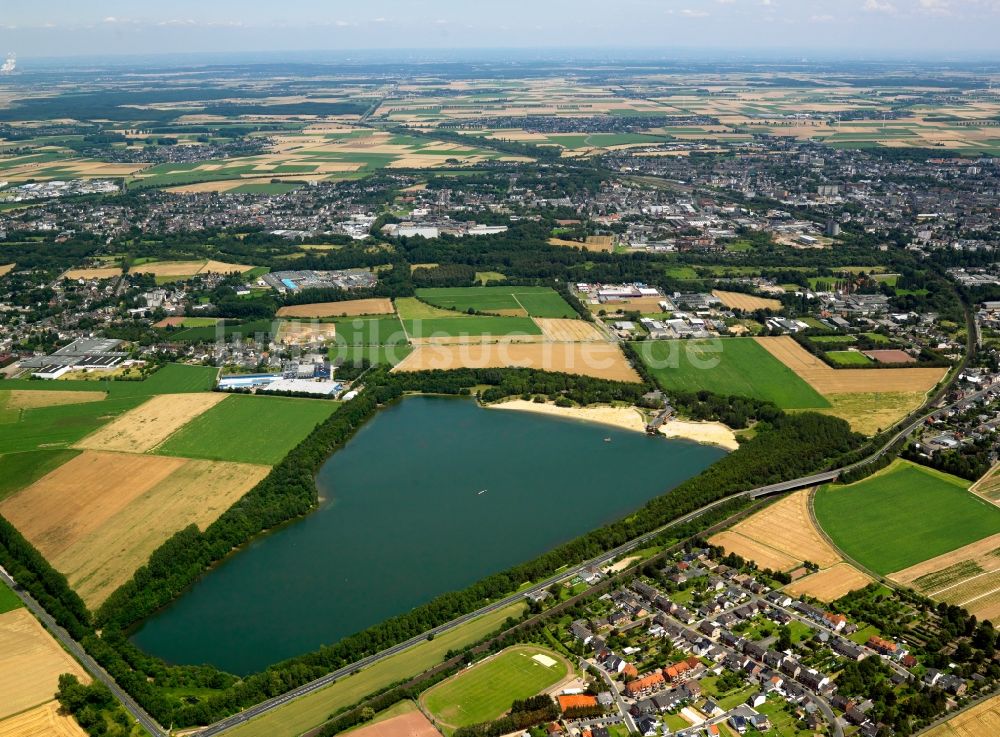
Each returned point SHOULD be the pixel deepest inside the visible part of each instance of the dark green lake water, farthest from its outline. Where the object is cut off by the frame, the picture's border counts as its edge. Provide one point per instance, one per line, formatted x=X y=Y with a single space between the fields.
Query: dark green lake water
x=401 y=520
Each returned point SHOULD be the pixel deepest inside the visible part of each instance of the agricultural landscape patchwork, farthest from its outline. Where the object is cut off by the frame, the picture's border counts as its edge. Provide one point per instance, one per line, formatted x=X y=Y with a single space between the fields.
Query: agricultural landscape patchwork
x=277 y=344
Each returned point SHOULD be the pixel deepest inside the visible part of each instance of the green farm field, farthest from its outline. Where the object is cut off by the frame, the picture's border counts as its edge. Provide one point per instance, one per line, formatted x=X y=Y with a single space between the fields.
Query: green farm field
x=251 y=429
x=370 y=331
x=59 y=426
x=314 y=709
x=732 y=366
x=386 y=355
x=18 y=470
x=904 y=515
x=173 y=378
x=8 y=600
x=479 y=325
x=535 y=301
x=486 y=691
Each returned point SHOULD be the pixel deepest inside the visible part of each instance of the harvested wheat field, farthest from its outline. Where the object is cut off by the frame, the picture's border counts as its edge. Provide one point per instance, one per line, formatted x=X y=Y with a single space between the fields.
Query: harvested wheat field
x=45 y=721
x=968 y=577
x=143 y=428
x=600 y=360
x=868 y=413
x=197 y=493
x=830 y=584
x=561 y=330
x=99 y=273
x=31 y=662
x=787 y=527
x=73 y=501
x=414 y=724
x=747 y=302
x=6 y=269
x=30 y=399
x=292 y=332
x=988 y=487
x=749 y=549
x=350 y=308
x=979 y=721
x=827 y=380
x=602 y=244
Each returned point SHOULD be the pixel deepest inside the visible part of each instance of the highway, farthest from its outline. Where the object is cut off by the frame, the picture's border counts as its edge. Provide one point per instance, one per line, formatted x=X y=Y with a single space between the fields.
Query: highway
x=89 y=664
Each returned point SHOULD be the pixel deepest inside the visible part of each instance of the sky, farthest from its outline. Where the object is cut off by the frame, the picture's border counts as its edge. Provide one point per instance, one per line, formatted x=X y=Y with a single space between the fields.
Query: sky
x=861 y=28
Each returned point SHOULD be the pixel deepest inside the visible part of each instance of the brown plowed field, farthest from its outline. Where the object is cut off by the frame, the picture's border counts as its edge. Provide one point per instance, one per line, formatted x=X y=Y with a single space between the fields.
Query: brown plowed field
x=600 y=360
x=747 y=302
x=98 y=517
x=102 y=273
x=31 y=662
x=350 y=308
x=830 y=584
x=196 y=493
x=152 y=422
x=45 y=721
x=29 y=398
x=569 y=331
x=413 y=724
x=827 y=380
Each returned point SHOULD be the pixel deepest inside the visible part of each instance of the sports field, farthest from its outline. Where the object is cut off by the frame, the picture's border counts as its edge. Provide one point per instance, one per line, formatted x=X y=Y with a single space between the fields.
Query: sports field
x=519 y=301
x=849 y=358
x=486 y=691
x=314 y=709
x=903 y=515
x=232 y=429
x=731 y=366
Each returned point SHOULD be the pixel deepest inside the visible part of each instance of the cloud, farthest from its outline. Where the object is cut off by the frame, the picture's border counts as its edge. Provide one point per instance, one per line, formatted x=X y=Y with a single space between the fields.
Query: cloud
x=879 y=6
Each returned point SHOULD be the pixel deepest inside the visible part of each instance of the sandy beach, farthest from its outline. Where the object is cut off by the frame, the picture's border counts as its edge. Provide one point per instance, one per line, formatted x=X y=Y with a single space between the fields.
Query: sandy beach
x=630 y=418
x=625 y=418
x=713 y=433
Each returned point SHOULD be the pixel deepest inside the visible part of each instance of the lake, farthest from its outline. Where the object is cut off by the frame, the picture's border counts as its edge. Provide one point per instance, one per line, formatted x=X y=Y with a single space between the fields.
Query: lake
x=431 y=495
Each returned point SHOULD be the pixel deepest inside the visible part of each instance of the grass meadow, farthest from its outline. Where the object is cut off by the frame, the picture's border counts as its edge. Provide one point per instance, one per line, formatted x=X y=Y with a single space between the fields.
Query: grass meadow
x=732 y=366
x=251 y=429
x=849 y=358
x=904 y=515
